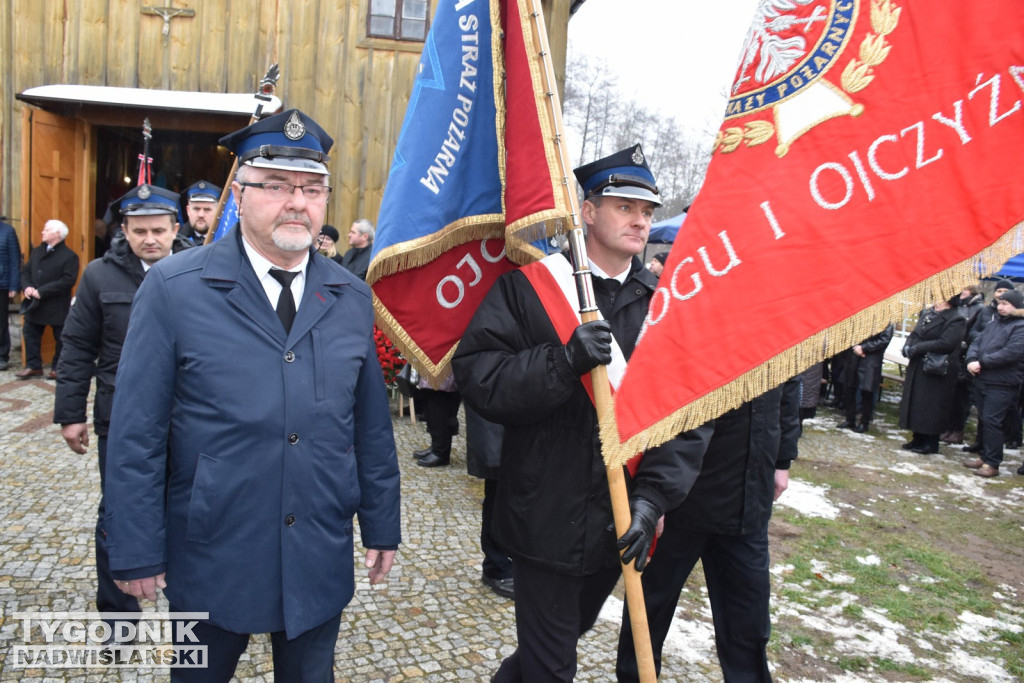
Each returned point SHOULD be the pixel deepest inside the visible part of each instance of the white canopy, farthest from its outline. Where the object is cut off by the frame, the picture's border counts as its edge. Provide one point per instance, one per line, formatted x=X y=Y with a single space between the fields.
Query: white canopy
x=182 y=100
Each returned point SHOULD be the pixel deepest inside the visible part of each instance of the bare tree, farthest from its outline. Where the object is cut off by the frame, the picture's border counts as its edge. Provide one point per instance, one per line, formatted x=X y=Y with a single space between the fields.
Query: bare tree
x=590 y=101
x=608 y=120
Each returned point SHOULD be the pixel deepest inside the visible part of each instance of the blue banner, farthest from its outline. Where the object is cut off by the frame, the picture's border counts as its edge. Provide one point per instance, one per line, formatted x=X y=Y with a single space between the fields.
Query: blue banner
x=228 y=217
x=445 y=172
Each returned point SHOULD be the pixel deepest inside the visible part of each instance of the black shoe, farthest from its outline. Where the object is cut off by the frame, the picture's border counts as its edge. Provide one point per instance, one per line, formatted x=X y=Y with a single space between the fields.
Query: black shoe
x=1020 y=470
x=845 y=425
x=506 y=588
x=1013 y=445
x=433 y=460
x=860 y=429
x=419 y=455
x=4 y=364
x=909 y=446
x=973 y=448
x=925 y=450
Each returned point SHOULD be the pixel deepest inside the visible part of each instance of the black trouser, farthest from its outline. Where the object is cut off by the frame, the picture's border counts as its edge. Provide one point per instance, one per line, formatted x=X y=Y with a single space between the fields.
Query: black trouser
x=552 y=611
x=963 y=399
x=308 y=658
x=109 y=598
x=497 y=564
x=5 y=337
x=32 y=338
x=995 y=401
x=867 y=404
x=739 y=587
x=442 y=411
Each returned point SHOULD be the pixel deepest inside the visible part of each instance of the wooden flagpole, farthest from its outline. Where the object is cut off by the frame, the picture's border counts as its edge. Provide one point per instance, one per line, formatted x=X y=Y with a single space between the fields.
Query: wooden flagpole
x=599 y=375
x=264 y=91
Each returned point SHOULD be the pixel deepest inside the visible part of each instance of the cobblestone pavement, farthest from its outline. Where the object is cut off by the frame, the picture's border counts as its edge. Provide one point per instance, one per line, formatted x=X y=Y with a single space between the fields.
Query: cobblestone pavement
x=433 y=621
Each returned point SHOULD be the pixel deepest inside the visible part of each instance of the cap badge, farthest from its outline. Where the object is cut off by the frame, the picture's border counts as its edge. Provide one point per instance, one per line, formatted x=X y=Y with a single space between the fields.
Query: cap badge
x=201 y=185
x=294 y=129
x=638 y=156
x=144 y=192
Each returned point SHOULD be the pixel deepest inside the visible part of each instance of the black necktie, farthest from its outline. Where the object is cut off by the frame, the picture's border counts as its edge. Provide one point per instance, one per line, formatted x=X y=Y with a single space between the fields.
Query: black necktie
x=285 y=302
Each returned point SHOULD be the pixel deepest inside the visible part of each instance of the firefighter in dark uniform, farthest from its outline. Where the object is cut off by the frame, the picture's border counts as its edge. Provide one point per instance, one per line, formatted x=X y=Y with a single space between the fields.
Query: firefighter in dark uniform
x=553 y=512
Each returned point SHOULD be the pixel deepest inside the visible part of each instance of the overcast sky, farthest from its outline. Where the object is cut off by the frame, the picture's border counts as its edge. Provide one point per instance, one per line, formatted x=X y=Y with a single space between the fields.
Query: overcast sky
x=680 y=55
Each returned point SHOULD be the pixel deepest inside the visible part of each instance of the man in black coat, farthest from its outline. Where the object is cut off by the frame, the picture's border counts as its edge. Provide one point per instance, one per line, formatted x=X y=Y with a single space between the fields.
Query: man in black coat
x=520 y=364
x=48 y=278
x=10 y=281
x=360 y=243
x=93 y=336
x=996 y=360
x=862 y=374
x=724 y=524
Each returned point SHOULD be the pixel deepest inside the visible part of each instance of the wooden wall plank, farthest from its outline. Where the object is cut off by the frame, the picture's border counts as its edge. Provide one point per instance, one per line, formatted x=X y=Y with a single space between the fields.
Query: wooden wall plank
x=91 y=18
x=210 y=45
x=123 y=43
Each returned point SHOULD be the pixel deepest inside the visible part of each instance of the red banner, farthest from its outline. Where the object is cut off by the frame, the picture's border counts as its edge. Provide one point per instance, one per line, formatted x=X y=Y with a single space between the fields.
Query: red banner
x=871 y=156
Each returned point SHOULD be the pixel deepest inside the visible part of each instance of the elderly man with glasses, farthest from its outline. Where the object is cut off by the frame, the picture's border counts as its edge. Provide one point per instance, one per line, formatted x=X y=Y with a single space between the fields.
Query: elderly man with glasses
x=251 y=426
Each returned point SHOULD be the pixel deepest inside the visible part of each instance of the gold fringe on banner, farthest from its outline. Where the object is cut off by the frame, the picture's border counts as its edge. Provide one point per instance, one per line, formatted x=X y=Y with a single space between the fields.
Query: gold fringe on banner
x=815 y=349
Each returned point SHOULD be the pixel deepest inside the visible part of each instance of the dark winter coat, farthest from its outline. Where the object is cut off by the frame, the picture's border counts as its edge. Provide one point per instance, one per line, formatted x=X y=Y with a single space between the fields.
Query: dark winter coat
x=866 y=372
x=357 y=261
x=483 y=445
x=927 y=398
x=53 y=273
x=239 y=453
x=94 y=333
x=1000 y=350
x=553 y=509
x=810 y=380
x=981 y=320
x=10 y=260
x=736 y=488
x=188 y=234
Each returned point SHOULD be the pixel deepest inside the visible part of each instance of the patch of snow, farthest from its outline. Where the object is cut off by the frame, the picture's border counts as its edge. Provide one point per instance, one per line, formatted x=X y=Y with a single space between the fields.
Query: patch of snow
x=690 y=638
x=977 y=668
x=976 y=628
x=819 y=568
x=867 y=513
x=977 y=489
x=911 y=470
x=870 y=560
x=808 y=499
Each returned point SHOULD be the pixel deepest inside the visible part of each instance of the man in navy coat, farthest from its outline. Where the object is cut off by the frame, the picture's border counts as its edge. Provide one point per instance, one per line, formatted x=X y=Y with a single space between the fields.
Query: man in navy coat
x=251 y=425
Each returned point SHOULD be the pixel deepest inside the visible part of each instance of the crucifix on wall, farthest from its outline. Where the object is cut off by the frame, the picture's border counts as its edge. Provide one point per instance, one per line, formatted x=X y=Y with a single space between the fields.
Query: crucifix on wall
x=168 y=13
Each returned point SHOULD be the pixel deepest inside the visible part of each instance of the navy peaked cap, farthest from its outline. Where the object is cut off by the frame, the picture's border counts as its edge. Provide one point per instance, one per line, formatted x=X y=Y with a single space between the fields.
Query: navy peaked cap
x=146 y=200
x=289 y=141
x=623 y=174
x=202 y=191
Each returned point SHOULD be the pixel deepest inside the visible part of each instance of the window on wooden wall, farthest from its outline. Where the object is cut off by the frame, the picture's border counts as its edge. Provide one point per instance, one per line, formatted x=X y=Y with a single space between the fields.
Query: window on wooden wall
x=398 y=19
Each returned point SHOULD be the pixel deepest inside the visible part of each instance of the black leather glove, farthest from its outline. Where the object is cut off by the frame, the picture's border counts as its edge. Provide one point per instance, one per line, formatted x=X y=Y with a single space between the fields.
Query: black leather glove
x=908 y=351
x=639 y=536
x=589 y=346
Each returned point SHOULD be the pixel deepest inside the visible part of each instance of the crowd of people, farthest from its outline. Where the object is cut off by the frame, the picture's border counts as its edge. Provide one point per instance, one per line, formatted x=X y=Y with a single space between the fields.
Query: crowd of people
x=961 y=354
x=239 y=503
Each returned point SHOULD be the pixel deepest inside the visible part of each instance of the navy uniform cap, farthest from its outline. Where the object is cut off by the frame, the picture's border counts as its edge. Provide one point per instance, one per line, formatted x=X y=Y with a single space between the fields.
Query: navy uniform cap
x=289 y=141
x=623 y=174
x=147 y=200
x=202 y=191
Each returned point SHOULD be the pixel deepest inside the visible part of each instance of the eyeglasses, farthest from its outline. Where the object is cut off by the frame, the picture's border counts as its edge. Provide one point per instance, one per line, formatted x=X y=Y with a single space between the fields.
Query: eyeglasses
x=282 y=191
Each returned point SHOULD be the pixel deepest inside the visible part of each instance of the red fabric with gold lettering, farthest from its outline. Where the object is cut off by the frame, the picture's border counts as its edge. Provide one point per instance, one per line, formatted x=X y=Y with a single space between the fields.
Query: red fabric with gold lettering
x=837 y=210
